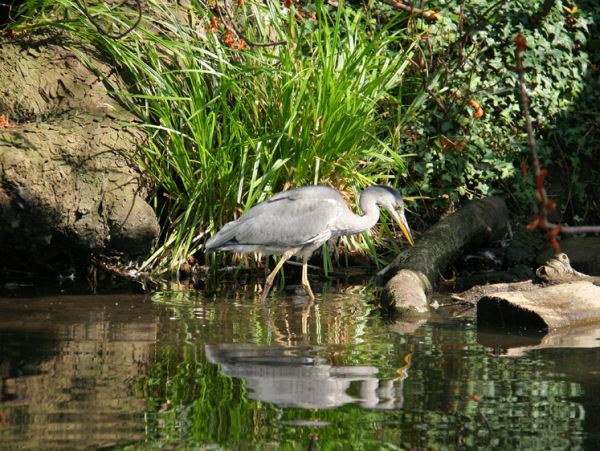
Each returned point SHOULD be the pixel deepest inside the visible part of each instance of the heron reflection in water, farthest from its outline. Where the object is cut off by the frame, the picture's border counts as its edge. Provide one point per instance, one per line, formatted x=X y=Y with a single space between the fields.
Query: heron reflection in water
x=299 y=221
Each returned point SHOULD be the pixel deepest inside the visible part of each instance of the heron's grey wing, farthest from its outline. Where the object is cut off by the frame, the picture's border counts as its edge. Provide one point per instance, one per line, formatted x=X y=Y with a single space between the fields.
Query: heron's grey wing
x=291 y=222
x=292 y=219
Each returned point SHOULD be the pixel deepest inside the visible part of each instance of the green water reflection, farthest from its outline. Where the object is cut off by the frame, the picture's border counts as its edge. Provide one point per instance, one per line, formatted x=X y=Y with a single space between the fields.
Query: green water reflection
x=177 y=369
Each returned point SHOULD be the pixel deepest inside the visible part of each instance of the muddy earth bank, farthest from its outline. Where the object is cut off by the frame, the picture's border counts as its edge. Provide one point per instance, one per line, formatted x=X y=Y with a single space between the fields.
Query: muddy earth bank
x=68 y=185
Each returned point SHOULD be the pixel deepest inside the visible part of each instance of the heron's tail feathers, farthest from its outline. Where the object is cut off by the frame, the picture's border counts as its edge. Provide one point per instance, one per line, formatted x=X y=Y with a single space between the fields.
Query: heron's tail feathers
x=222 y=239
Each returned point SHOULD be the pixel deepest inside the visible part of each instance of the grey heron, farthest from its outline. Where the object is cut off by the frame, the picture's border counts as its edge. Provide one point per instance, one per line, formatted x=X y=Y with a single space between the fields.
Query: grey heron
x=299 y=221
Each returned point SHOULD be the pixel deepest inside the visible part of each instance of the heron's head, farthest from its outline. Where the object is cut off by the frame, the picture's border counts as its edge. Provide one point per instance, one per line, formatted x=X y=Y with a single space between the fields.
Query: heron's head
x=391 y=201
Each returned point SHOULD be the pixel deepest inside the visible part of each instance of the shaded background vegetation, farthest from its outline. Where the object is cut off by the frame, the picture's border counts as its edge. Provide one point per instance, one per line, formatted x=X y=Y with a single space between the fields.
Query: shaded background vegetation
x=358 y=94
x=470 y=157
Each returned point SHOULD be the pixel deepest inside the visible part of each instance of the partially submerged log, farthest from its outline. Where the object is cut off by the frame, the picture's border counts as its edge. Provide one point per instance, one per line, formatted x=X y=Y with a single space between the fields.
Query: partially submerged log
x=414 y=274
x=560 y=297
x=541 y=309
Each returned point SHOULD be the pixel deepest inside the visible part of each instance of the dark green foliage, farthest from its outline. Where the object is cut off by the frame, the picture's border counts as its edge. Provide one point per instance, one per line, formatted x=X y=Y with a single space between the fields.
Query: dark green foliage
x=460 y=156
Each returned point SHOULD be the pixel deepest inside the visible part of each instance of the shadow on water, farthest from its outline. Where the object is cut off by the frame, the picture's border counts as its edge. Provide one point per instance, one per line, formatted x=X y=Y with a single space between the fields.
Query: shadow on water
x=176 y=369
x=67 y=367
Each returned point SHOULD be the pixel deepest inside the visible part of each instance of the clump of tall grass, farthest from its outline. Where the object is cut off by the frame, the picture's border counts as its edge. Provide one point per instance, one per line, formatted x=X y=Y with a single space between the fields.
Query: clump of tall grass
x=230 y=125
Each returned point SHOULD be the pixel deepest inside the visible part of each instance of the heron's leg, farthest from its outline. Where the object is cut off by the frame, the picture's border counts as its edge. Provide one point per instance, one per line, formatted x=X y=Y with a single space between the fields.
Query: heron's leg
x=305 y=282
x=271 y=277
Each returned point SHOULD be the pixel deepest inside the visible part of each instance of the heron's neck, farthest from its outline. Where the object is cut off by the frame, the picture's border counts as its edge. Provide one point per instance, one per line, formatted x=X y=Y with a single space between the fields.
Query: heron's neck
x=361 y=223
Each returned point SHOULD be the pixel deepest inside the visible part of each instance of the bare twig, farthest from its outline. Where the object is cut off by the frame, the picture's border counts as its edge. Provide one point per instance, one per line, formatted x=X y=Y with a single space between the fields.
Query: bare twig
x=427 y=14
x=92 y=19
x=231 y=24
x=458 y=44
x=456 y=48
x=576 y=229
x=521 y=44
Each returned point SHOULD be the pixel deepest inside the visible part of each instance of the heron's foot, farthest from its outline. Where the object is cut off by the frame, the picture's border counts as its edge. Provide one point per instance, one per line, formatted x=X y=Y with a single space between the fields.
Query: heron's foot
x=309 y=291
x=264 y=294
x=266 y=289
x=305 y=282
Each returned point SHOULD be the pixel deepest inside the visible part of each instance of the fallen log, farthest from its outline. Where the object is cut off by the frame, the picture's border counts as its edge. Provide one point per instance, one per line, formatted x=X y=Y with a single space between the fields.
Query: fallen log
x=560 y=296
x=541 y=309
x=414 y=274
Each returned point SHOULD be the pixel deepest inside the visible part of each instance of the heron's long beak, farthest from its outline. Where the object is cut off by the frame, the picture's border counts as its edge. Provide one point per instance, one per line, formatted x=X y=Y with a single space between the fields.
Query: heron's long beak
x=401 y=220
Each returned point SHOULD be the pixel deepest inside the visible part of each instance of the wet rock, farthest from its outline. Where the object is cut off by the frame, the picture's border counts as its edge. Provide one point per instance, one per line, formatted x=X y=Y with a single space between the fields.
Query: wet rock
x=523 y=247
x=508 y=261
x=514 y=274
x=68 y=186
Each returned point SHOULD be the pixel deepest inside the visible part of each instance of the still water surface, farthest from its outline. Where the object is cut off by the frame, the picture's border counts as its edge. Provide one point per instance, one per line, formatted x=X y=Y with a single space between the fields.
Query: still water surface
x=175 y=369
